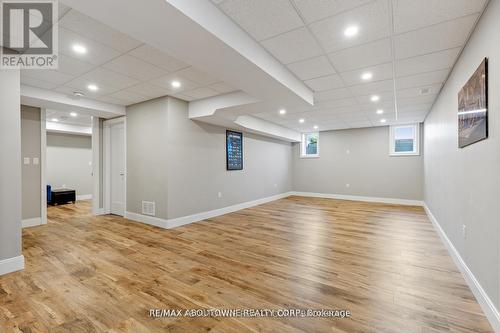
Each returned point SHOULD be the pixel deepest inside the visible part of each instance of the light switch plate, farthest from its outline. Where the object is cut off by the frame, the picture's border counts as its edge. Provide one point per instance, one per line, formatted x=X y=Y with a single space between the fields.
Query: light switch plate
x=26 y=161
x=36 y=161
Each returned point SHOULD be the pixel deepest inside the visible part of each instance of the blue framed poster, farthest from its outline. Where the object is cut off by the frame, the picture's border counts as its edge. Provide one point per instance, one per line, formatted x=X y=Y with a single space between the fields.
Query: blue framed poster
x=234 y=150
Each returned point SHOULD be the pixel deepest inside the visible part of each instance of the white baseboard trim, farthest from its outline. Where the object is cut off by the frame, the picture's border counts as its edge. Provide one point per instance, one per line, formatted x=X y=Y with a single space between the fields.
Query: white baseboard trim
x=11 y=265
x=100 y=211
x=483 y=299
x=84 y=197
x=360 y=198
x=180 y=221
x=32 y=222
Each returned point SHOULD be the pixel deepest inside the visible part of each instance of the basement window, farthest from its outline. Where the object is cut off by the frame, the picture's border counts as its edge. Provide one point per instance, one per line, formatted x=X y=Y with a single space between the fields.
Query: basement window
x=404 y=140
x=309 y=147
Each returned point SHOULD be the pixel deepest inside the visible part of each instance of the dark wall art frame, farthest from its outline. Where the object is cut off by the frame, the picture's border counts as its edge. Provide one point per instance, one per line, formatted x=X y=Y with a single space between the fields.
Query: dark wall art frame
x=234 y=150
x=473 y=108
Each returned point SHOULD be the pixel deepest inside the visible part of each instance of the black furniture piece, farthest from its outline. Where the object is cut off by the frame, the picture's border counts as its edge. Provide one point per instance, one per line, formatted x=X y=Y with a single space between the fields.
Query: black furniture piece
x=62 y=196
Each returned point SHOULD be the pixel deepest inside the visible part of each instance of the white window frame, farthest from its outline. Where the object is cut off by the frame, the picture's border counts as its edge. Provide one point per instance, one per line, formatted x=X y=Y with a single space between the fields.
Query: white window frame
x=302 y=146
x=416 y=145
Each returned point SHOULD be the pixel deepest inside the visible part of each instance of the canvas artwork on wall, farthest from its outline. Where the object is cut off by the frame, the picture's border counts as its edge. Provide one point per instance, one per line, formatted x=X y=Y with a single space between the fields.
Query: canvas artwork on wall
x=473 y=108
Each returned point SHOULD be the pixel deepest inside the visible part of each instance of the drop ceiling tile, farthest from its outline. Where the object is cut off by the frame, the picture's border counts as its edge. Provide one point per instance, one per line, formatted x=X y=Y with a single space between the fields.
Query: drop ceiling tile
x=92 y=29
x=67 y=90
x=333 y=94
x=158 y=58
x=338 y=104
x=108 y=99
x=200 y=93
x=50 y=76
x=262 y=19
x=62 y=10
x=29 y=81
x=166 y=80
x=314 y=10
x=73 y=66
x=372 y=87
x=128 y=98
x=97 y=53
x=102 y=76
x=325 y=83
x=362 y=56
x=438 y=37
x=427 y=63
x=135 y=68
x=417 y=91
x=312 y=68
x=427 y=99
x=423 y=79
x=196 y=76
x=414 y=108
x=359 y=124
x=80 y=85
x=385 y=97
x=149 y=90
x=222 y=88
x=411 y=14
x=184 y=97
x=380 y=73
x=372 y=20
x=293 y=46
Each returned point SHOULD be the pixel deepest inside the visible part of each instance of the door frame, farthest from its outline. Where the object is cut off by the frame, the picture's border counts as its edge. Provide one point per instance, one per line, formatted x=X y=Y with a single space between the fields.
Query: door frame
x=107 y=162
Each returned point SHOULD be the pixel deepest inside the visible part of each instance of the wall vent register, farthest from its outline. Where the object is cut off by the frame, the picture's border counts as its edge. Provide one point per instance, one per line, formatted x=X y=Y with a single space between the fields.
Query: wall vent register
x=148 y=208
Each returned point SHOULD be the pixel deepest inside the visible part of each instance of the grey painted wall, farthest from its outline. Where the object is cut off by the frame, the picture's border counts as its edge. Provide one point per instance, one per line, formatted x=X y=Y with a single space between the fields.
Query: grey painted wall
x=462 y=186
x=147 y=155
x=69 y=159
x=197 y=166
x=180 y=164
x=368 y=168
x=10 y=164
x=31 y=173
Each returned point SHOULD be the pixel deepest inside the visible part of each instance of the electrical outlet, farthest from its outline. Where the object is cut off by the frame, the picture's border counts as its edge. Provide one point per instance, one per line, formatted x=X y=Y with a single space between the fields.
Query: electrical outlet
x=219 y=195
x=347 y=185
x=347 y=151
x=275 y=185
x=464 y=231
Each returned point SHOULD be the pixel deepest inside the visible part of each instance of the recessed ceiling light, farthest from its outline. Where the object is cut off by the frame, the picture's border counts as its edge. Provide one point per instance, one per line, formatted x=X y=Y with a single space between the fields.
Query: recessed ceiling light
x=282 y=111
x=176 y=84
x=366 y=76
x=55 y=120
x=383 y=121
x=375 y=98
x=302 y=120
x=79 y=48
x=92 y=87
x=73 y=114
x=316 y=127
x=78 y=94
x=380 y=111
x=351 y=31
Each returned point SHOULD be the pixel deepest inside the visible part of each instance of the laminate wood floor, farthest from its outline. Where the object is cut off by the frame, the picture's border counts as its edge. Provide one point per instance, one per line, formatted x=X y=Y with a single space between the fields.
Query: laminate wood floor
x=384 y=263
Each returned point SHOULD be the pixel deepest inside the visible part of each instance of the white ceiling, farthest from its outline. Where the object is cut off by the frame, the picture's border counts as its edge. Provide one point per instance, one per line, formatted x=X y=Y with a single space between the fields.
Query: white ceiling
x=126 y=70
x=63 y=117
x=409 y=46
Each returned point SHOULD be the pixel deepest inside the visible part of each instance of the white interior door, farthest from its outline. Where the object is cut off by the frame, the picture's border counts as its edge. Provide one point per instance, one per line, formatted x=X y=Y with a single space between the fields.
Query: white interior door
x=117 y=169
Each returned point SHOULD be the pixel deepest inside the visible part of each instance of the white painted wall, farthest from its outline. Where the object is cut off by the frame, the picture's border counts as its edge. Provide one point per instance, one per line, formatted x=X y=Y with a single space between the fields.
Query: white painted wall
x=69 y=162
x=10 y=166
x=356 y=162
x=462 y=186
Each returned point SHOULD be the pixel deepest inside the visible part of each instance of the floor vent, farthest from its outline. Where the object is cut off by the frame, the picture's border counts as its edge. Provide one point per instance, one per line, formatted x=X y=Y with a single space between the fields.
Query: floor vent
x=148 y=208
